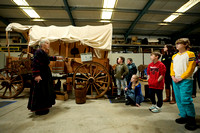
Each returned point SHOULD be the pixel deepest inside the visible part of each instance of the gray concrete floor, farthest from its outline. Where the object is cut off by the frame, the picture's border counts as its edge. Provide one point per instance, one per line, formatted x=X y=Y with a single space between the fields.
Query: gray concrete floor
x=95 y=116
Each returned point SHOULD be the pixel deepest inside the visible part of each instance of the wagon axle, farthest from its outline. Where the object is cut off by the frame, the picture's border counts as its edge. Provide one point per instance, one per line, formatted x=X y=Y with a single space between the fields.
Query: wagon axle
x=6 y=83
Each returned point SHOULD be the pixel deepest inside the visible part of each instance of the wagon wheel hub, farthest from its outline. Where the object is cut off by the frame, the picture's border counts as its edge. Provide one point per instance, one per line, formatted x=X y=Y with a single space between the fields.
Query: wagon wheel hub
x=91 y=80
x=5 y=83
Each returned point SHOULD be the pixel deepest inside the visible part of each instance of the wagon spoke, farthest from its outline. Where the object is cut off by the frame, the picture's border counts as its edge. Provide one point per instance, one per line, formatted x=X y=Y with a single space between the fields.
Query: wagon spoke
x=14 y=88
x=85 y=70
x=5 y=91
x=84 y=75
x=95 y=71
x=102 y=82
x=2 y=87
x=17 y=82
x=91 y=90
x=96 y=89
x=98 y=74
x=10 y=91
x=98 y=85
x=88 y=88
x=81 y=78
x=101 y=77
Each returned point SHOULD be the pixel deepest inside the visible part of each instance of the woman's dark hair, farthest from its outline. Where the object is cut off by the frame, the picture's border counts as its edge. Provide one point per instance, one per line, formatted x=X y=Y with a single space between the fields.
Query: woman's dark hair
x=170 y=49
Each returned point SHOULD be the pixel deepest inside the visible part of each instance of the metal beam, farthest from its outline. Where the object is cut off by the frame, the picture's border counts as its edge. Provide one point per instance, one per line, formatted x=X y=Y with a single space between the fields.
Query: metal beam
x=144 y=10
x=74 y=8
x=95 y=20
x=4 y=20
x=186 y=30
x=67 y=8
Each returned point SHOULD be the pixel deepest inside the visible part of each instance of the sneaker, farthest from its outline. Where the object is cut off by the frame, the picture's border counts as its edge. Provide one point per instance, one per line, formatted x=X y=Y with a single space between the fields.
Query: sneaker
x=181 y=120
x=156 y=110
x=152 y=107
x=117 y=98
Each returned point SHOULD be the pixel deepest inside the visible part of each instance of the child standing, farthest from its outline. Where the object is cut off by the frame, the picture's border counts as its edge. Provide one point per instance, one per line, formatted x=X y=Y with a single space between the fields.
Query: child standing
x=133 y=92
x=182 y=67
x=121 y=71
x=156 y=73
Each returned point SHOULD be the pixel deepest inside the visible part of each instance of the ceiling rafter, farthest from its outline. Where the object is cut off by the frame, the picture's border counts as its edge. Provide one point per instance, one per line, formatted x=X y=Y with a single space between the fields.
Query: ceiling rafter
x=74 y=8
x=67 y=8
x=144 y=10
x=94 y=20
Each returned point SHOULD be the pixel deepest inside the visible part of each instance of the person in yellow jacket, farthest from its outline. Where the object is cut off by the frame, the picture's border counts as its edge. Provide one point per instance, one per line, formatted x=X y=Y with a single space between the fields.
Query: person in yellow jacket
x=182 y=67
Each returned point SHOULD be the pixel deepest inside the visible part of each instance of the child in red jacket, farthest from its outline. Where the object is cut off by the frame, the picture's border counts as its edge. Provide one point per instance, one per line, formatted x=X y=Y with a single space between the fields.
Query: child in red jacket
x=156 y=73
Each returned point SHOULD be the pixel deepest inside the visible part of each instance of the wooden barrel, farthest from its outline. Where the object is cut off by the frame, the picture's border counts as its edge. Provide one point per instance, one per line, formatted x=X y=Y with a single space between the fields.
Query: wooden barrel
x=58 y=66
x=80 y=95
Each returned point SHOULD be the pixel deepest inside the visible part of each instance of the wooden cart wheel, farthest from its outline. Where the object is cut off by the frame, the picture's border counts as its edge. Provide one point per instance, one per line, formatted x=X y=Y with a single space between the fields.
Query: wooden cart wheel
x=11 y=83
x=94 y=77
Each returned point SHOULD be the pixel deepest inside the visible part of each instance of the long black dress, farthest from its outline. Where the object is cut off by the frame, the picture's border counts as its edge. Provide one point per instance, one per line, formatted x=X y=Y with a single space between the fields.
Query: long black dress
x=42 y=95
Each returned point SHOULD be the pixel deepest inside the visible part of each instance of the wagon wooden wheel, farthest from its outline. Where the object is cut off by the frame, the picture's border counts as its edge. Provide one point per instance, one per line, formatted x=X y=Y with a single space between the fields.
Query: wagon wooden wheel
x=11 y=83
x=94 y=77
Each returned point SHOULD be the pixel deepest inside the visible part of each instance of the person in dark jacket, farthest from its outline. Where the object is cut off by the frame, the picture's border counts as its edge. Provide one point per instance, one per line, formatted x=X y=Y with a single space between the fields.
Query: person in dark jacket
x=132 y=70
x=166 y=60
x=42 y=95
x=120 y=72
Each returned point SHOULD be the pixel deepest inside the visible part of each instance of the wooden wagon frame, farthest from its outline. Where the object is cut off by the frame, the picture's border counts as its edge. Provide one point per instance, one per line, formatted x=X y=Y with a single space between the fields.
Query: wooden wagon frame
x=84 y=49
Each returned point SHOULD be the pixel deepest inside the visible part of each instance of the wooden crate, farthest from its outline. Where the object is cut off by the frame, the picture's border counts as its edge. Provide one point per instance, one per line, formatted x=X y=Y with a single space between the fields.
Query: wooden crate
x=61 y=96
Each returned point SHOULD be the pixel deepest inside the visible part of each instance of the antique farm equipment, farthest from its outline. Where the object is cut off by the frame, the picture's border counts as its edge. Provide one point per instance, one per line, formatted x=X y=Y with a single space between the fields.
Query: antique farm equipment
x=12 y=81
x=84 y=49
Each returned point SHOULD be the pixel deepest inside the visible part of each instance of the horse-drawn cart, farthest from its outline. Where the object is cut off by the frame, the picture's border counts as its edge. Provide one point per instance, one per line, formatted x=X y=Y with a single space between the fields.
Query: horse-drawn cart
x=84 y=49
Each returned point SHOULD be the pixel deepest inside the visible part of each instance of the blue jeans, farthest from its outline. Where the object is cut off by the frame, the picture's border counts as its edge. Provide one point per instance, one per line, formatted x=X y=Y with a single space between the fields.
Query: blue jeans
x=120 y=83
x=183 y=95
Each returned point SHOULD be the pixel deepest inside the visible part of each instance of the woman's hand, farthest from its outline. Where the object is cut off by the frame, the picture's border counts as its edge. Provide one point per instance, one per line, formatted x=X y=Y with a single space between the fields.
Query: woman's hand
x=126 y=89
x=38 y=78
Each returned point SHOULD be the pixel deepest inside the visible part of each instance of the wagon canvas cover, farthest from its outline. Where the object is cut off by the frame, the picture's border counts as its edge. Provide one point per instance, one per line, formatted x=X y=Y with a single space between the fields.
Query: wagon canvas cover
x=98 y=37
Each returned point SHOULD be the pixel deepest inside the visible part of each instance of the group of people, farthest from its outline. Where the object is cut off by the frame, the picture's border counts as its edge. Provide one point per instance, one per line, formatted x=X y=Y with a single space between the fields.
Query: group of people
x=173 y=69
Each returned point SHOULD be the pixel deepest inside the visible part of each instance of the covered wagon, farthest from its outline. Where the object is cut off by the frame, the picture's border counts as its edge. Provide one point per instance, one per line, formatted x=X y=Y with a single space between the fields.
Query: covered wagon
x=84 y=49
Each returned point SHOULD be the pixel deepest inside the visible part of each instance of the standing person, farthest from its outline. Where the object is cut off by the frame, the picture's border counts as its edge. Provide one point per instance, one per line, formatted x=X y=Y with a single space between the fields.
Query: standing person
x=198 y=71
x=166 y=60
x=121 y=71
x=133 y=92
x=42 y=95
x=132 y=69
x=156 y=73
x=182 y=67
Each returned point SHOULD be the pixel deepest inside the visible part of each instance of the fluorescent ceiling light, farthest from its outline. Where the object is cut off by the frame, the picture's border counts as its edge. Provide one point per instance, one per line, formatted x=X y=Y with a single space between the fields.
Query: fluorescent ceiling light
x=171 y=17
x=105 y=21
x=21 y=2
x=182 y=9
x=109 y=3
x=30 y=12
x=188 y=5
x=106 y=15
x=163 y=24
x=38 y=19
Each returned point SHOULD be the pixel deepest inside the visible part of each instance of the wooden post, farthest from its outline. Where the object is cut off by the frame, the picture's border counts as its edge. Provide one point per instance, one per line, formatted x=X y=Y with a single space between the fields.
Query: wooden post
x=8 y=44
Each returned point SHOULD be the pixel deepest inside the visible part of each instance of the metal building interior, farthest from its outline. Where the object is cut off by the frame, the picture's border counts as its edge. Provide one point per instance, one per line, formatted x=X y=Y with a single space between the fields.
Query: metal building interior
x=130 y=19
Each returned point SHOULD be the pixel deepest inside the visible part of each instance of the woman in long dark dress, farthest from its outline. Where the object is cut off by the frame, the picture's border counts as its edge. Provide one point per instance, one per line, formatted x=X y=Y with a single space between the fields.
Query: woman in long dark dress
x=166 y=60
x=42 y=95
